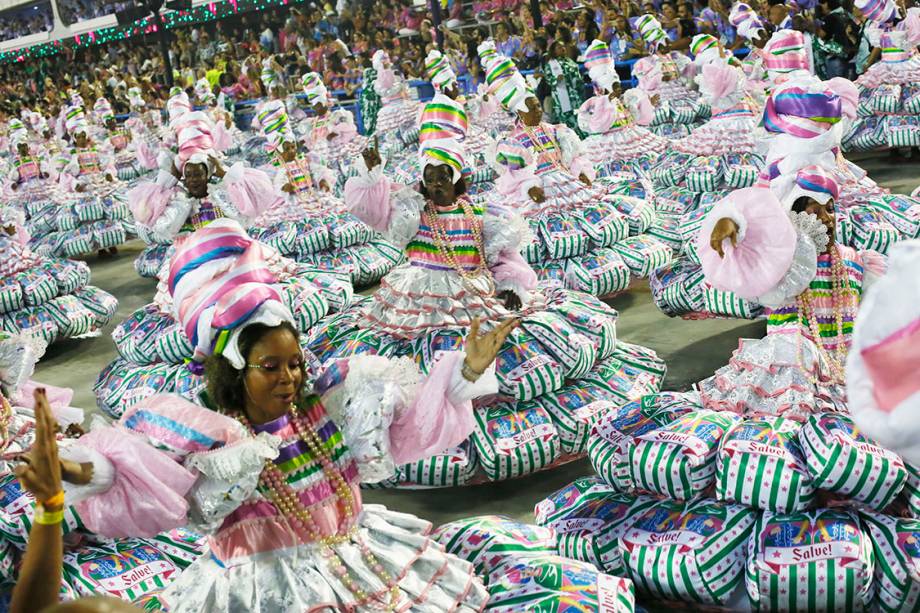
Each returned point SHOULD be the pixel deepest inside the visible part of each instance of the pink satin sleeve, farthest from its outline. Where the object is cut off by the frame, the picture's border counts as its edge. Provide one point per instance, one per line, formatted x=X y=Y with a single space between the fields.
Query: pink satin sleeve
x=148 y=200
x=146 y=156
x=147 y=494
x=250 y=191
x=222 y=138
x=512 y=270
x=369 y=202
x=432 y=423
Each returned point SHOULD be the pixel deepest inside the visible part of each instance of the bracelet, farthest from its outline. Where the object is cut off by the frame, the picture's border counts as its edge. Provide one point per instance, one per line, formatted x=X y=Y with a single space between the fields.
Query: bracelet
x=469 y=374
x=48 y=518
x=55 y=501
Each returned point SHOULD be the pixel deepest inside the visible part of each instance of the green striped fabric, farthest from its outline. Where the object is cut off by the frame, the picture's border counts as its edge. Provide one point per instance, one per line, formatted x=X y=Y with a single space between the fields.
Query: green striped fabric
x=589 y=518
x=562 y=236
x=73 y=319
x=679 y=460
x=886 y=98
x=603 y=224
x=514 y=440
x=128 y=569
x=810 y=561
x=871 y=230
x=173 y=346
x=524 y=369
x=591 y=317
x=896 y=543
x=615 y=433
x=449 y=468
x=181 y=545
x=643 y=254
x=600 y=273
x=761 y=465
x=912 y=490
x=573 y=351
x=311 y=236
x=11 y=298
x=18 y=506
x=728 y=304
x=903 y=212
x=575 y=409
x=642 y=358
x=553 y=584
x=688 y=551
x=488 y=541
x=843 y=460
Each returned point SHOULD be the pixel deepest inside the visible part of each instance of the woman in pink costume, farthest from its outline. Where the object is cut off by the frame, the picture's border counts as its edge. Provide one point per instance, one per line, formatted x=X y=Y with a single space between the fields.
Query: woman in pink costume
x=181 y=199
x=146 y=126
x=580 y=237
x=227 y=137
x=666 y=76
x=269 y=473
x=396 y=120
x=307 y=222
x=464 y=264
x=118 y=143
x=330 y=135
x=889 y=90
x=618 y=141
x=750 y=27
x=778 y=247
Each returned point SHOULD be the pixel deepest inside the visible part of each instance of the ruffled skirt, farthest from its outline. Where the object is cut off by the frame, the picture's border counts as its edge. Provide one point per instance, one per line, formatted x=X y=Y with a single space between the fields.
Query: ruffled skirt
x=79 y=224
x=396 y=122
x=781 y=374
x=318 y=231
x=888 y=110
x=298 y=580
x=607 y=152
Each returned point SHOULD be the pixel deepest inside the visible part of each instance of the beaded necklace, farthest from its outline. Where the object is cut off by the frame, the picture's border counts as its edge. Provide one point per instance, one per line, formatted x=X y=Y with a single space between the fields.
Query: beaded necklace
x=446 y=250
x=548 y=147
x=841 y=299
x=273 y=483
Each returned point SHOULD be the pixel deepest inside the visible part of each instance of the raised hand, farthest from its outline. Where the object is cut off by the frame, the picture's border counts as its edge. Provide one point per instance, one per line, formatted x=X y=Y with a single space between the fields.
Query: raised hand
x=41 y=471
x=481 y=350
x=724 y=228
x=371 y=157
x=536 y=194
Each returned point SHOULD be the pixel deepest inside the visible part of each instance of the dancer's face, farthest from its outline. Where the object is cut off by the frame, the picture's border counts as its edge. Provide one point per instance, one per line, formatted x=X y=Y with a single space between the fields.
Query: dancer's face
x=23 y=149
x=534 y=113
x=320 y=109
x=80 y=139
x=195 y=178
x=274 y=376
x=288 y=151
x=439 y=183
x=825 y=214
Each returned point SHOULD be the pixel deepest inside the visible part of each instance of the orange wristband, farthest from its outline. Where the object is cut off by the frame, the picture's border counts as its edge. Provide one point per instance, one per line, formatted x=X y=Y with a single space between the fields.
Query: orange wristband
x=55 y=501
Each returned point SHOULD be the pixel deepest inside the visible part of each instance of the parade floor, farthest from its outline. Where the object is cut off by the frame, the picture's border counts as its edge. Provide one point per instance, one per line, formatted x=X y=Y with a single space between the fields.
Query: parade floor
x=692 y=350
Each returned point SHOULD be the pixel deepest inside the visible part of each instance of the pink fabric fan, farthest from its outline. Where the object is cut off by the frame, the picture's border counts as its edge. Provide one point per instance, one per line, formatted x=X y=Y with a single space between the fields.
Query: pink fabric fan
x=759 y=261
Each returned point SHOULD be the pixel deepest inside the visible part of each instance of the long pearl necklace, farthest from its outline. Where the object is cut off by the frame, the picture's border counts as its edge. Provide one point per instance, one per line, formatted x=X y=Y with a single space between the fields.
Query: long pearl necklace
x=550 y=148
x=841 y=298
x=273 y=482
x=442 y=242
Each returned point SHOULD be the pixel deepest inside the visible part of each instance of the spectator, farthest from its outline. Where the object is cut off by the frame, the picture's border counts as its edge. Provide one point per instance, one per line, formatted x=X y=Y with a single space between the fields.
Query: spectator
x=839 y=40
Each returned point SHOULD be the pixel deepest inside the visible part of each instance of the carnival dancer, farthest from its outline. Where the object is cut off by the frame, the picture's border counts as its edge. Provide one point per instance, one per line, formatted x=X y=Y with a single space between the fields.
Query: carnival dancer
x=330 y=134
x=666 y=76
x=618 y=141
x=182 y=198
x=546 y=176
x=118 y=143
x=889 y=90
x=396 y=119
x=464 y=265
x=307 y=222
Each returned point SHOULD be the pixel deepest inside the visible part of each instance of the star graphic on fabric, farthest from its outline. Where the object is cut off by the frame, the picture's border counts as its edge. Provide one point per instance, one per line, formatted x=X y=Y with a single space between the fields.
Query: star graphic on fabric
x=776 y=554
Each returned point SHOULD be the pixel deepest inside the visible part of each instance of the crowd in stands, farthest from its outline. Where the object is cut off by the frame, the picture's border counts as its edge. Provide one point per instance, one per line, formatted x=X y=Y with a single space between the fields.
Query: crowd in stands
x=338 y=41
x=25 y=20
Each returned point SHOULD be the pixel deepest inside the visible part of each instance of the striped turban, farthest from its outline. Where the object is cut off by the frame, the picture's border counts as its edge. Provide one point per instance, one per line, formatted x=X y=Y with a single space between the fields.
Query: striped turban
x=220 y=283
x=315 y=89
x=439 y=72
x=275 y=125
x=600 y=65
x=651 y=31
x=442 y=128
